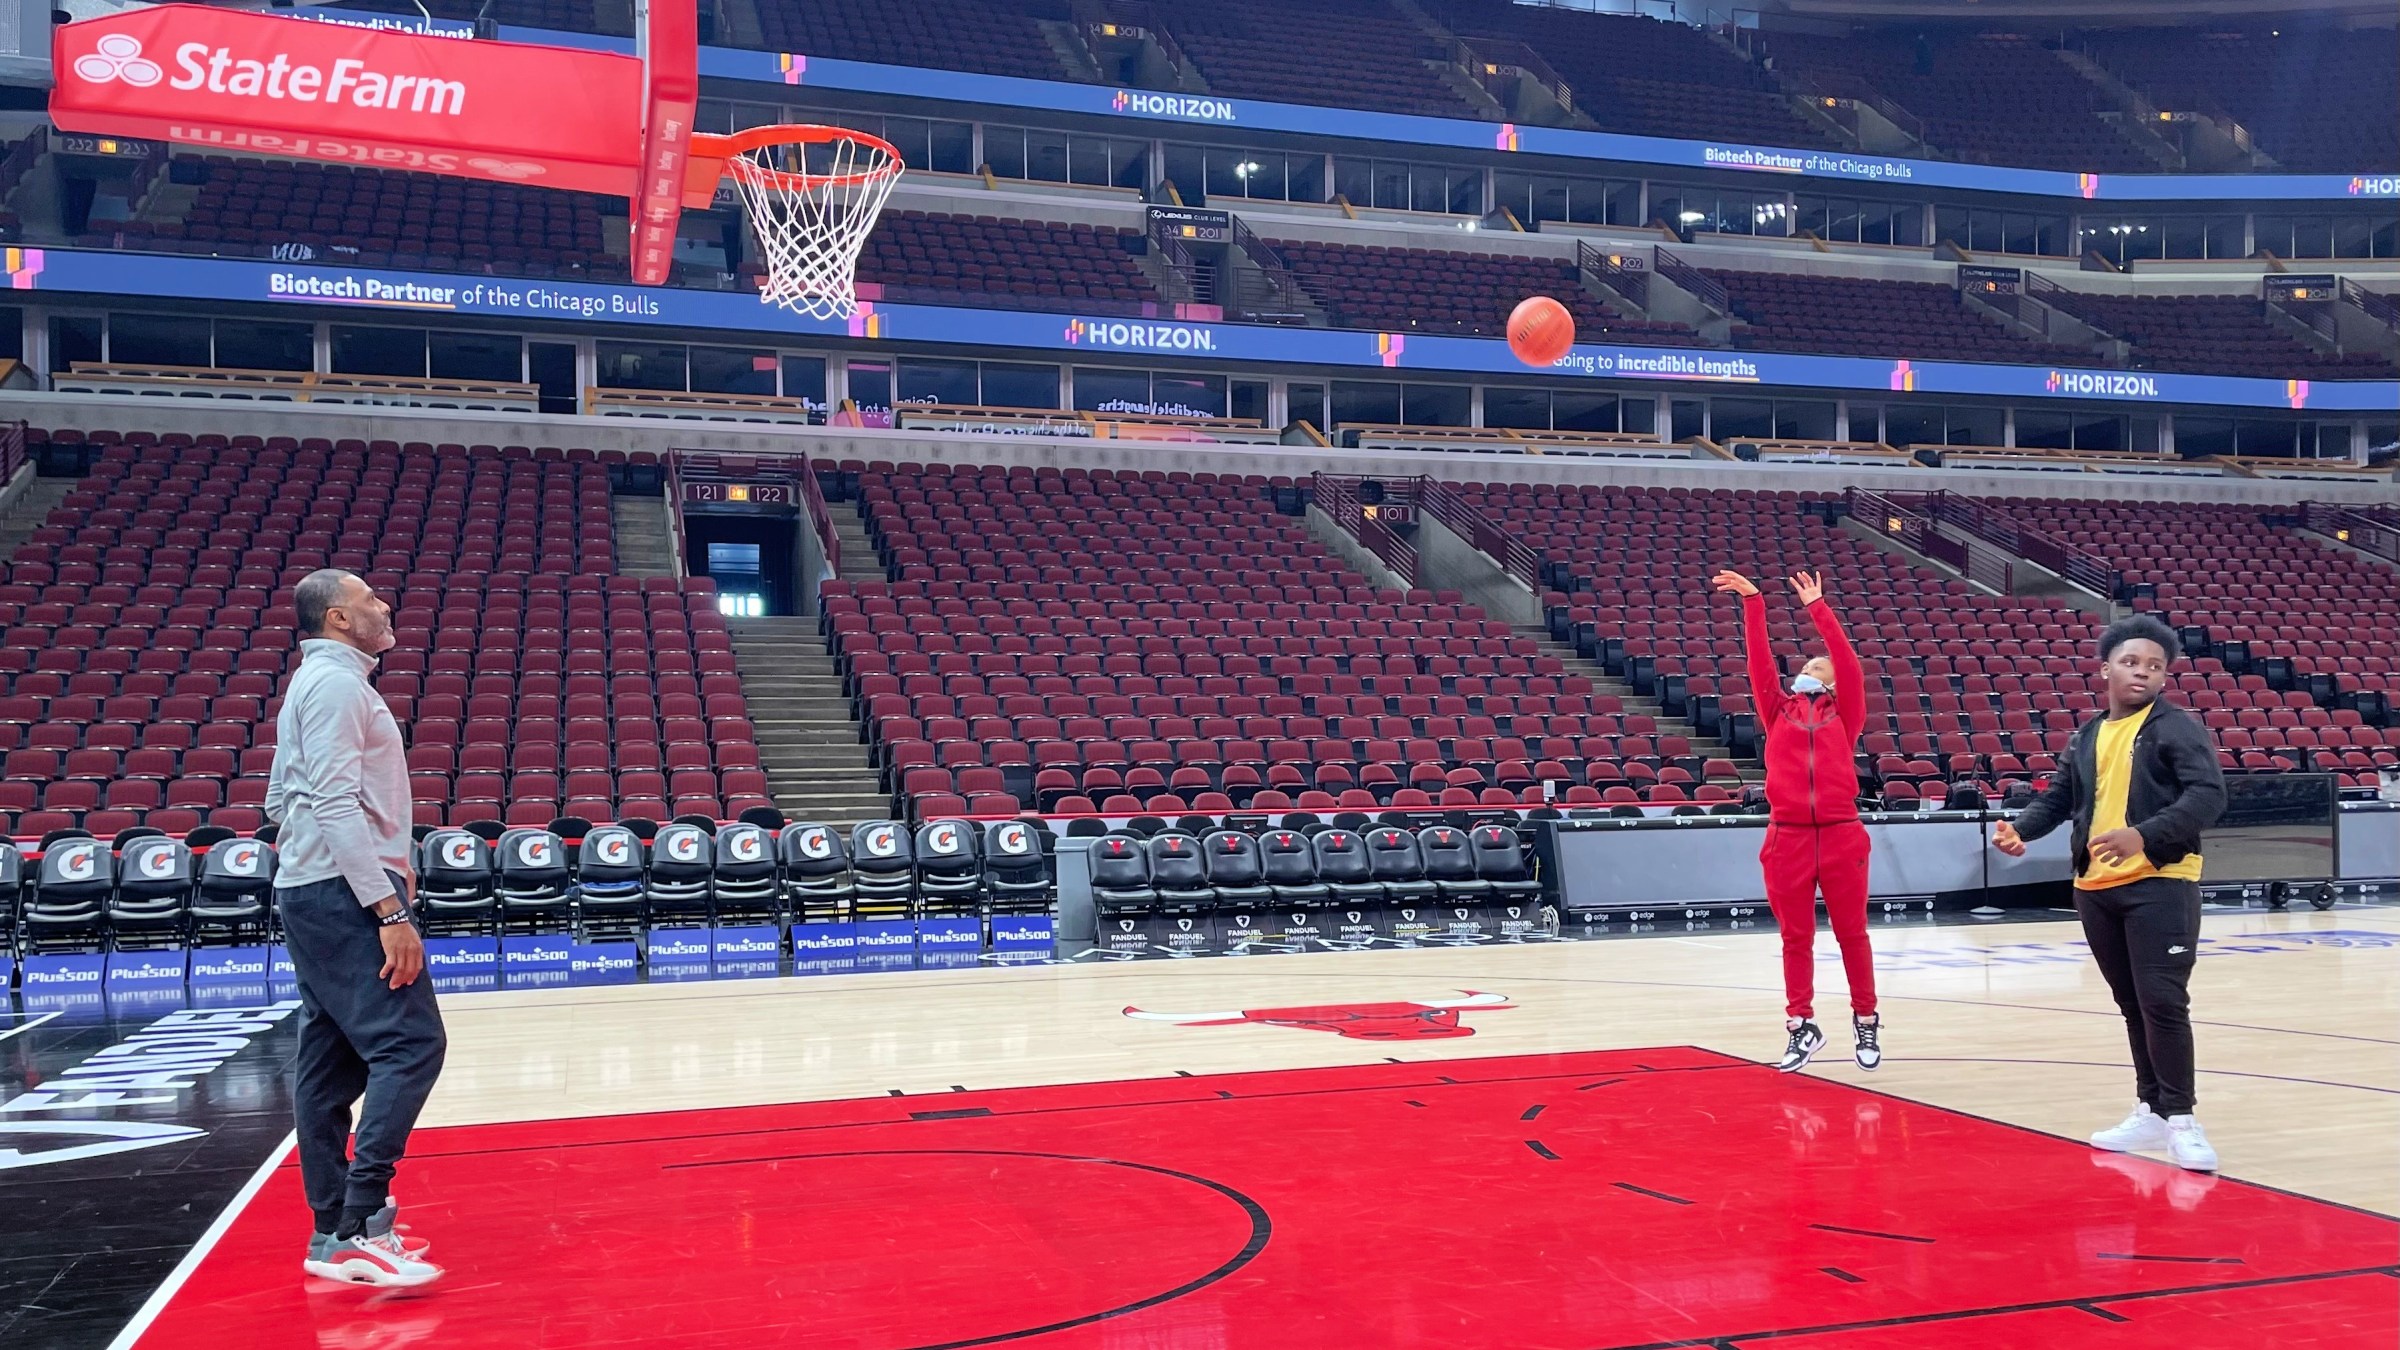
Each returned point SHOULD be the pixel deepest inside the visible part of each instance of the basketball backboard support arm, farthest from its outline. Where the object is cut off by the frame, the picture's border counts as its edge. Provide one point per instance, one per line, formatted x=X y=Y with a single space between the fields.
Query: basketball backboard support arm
x=667 y=38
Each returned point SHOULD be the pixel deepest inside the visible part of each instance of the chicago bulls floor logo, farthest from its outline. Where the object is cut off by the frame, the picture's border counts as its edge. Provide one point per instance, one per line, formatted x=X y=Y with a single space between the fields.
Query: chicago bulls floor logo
x=1430 y=1020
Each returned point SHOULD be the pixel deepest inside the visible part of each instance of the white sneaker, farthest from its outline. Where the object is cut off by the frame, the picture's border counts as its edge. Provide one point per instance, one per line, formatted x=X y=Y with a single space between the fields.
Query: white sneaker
x=1805 y=1041
x=373 y=1257
x=2188 y=1145
x=2141 y=1130
x=1869 y=1031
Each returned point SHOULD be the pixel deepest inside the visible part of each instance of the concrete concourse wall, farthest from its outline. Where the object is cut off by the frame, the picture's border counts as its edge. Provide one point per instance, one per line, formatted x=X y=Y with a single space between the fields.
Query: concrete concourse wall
x=125 y=413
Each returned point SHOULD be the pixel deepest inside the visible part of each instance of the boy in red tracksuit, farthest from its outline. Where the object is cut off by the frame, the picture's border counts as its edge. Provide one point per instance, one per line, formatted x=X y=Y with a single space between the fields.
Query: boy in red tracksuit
x=1815 y=841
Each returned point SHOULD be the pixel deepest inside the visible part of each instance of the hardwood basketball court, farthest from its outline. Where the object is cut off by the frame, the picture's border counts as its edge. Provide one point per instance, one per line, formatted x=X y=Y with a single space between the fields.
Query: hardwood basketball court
x=1596 y=1159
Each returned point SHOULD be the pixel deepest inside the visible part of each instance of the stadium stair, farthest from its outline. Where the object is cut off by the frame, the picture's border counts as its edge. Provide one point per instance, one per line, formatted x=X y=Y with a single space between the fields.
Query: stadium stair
x=645 y=548
x=1637 y=703
x=816 y=764
x=27 y=512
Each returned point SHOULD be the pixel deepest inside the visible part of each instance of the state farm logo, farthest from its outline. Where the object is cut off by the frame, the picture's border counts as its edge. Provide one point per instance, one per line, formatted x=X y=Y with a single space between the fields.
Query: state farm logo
x=507 y=168
x=119 y=58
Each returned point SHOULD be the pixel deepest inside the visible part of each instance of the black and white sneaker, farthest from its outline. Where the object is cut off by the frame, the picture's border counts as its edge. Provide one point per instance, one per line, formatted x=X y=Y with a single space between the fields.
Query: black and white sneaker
x=1867 y=1030
x=1806 y=1041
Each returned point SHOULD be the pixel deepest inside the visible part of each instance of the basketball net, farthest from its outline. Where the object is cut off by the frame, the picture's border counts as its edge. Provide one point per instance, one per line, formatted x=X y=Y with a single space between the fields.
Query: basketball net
x=812 y=194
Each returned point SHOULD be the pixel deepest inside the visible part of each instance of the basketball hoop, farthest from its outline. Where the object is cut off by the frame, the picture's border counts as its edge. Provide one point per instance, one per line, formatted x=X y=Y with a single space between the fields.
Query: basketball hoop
x=812 y=194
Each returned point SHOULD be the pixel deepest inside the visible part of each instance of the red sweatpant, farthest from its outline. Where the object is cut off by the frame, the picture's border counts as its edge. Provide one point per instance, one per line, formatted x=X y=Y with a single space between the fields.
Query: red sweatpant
x=1800 y=861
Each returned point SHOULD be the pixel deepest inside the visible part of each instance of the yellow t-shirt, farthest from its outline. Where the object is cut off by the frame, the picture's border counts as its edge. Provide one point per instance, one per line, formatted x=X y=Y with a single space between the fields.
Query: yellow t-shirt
x=2112 y=765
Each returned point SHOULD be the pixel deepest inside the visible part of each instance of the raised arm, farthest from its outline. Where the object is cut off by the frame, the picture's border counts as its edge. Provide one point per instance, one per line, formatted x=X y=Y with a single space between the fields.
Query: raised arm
x=1849 y=681
x=1766 y=682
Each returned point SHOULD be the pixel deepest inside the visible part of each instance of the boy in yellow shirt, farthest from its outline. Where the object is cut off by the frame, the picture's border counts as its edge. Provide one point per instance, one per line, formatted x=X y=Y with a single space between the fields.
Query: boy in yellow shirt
x=2140 y=783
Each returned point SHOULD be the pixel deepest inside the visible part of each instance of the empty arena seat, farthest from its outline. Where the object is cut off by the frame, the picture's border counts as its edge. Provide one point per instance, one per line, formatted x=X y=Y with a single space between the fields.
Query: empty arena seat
x=2270 y=619
x=66 y=908
x=455 y=882
x=235 y=893
x=1448 y=860
x=150 y=906
x=532 y=882
x=883 y=869
x=744 y=882
x=995 y=37
x=1645 y=76
x=682 y=873
x=610 y=891
x=1017 y=875
x=1236 y=870
x=1870 y=316
x=516 y=647
x=816 y=871
x=1121 y=632
x=949 y=867
x=1345 y=869
x=1456 y=291
x=2212 y=334
x=1120 y=867
x=1178 y=873
x=1500 y=862
x=384 y=217
x=1398 y=865
x=1288 y=865
x=2318 y=99
x=1037 y=263
x=1985 y=98
x=1935 y=649
x=1345 y=53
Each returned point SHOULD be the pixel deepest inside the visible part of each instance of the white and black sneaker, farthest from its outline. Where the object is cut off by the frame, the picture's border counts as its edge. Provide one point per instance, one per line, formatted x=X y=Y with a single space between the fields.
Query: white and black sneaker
x=1869 y=1052
x=1806 y=1041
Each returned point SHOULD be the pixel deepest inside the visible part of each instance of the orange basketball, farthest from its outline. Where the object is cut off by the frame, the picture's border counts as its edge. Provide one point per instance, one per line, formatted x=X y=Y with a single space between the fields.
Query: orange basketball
x=1540 y=331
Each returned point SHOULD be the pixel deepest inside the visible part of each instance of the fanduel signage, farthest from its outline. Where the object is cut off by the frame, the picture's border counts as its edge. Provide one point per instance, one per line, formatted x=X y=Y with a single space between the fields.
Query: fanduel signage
x=152 y=1067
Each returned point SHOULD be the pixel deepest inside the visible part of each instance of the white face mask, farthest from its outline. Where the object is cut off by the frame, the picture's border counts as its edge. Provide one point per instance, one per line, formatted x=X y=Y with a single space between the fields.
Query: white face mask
x=1807 y=684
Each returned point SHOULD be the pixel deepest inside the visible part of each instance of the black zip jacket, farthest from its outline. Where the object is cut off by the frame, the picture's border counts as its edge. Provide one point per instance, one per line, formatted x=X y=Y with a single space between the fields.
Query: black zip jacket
x=2177 y=789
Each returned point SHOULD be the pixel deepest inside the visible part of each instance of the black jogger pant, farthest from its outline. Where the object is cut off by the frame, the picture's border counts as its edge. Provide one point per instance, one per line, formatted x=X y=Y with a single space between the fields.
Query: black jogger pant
x=2146 y=936
x=358 y=1037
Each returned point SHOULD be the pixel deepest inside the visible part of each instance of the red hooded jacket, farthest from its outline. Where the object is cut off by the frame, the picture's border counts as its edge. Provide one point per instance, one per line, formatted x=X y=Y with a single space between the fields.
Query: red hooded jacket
x=1811 y=739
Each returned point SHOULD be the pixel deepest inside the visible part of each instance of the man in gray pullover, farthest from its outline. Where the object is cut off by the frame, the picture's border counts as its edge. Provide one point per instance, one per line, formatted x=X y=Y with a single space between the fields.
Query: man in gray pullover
x=343 y=885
